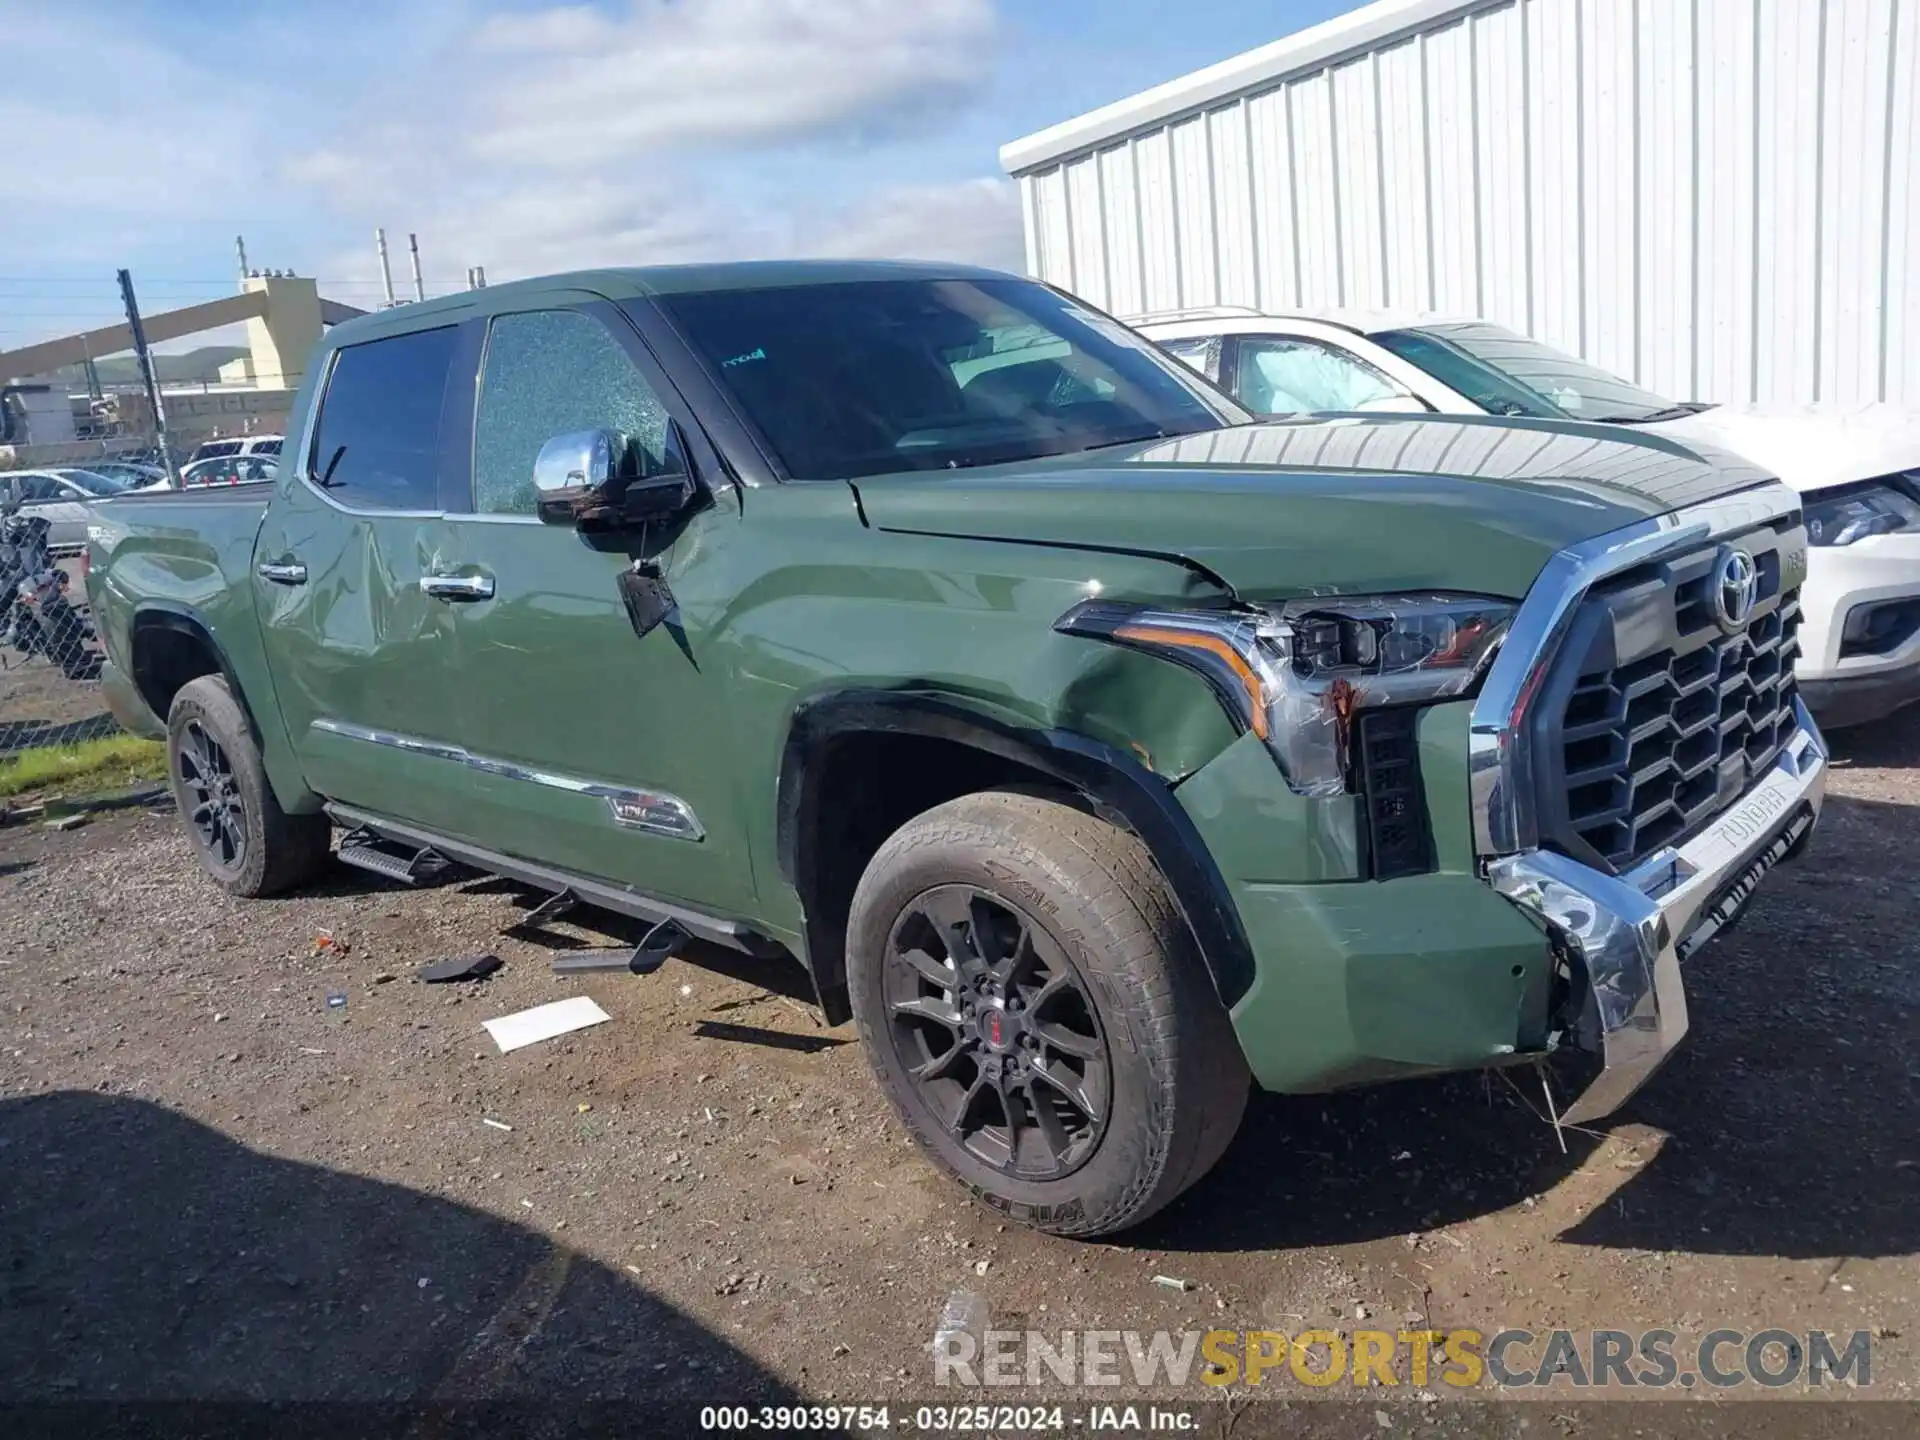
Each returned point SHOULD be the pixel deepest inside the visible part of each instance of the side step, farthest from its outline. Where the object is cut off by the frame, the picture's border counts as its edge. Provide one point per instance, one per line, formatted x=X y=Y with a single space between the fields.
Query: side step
x=656 y=947
x=405 y=865
x=601 y=894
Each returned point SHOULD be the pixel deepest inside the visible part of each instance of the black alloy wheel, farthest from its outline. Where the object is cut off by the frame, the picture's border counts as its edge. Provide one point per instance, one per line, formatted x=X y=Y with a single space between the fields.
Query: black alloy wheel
x=998 y=1033
x=217 y=816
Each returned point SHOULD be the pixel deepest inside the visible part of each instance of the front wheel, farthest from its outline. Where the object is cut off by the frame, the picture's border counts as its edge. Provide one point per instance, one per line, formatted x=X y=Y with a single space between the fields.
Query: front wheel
x=243 y=838
x=1037 y=1013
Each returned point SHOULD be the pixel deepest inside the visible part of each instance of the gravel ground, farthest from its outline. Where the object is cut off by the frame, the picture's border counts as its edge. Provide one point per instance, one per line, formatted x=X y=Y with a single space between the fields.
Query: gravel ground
x=213 y=1188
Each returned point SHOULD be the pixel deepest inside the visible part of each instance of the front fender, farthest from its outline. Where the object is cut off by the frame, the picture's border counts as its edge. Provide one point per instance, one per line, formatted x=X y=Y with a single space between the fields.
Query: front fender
x=1116 y=782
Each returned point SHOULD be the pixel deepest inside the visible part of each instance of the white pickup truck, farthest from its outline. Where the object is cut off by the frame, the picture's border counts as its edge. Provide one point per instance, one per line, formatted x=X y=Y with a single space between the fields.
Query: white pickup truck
x=1858 y=470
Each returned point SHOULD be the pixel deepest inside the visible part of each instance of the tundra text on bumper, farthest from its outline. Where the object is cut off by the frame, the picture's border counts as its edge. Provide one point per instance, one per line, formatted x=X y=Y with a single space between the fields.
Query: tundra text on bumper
x=1623 y=929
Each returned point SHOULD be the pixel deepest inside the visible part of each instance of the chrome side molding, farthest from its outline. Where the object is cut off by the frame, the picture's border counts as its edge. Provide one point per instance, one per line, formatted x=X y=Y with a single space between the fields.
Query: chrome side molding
x=655 y=812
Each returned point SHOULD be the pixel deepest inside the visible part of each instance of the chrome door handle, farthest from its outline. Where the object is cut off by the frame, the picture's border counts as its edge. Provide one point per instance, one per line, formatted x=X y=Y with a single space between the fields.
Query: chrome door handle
x=288 y=573
x=458 y=587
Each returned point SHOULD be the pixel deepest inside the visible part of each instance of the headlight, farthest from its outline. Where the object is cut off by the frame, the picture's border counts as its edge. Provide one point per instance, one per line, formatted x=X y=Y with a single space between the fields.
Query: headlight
x=1877 y=509
x=1295 y=674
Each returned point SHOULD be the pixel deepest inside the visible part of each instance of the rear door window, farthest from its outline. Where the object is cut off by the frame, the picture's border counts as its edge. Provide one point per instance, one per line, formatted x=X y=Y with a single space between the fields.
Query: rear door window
x=377 y=441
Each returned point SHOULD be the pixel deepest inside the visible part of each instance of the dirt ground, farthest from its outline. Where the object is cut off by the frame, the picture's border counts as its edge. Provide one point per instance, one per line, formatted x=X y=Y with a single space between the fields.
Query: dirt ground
x=213 y=1187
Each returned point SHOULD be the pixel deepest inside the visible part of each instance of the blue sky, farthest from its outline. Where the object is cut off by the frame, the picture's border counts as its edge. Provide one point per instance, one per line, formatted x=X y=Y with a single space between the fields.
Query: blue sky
x=528 y=136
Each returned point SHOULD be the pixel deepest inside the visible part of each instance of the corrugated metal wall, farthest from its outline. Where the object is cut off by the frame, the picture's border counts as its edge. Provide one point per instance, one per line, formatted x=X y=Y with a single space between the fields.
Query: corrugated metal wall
x=1715 y=197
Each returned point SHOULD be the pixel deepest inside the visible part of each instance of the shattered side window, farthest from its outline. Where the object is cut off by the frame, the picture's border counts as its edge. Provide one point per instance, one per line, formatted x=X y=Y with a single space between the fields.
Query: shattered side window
x=548 y=373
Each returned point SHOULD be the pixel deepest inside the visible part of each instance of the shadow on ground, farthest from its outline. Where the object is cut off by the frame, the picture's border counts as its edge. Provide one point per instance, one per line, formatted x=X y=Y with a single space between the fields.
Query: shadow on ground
x=32 y=734
x=1893 y=742
x=146 y=1256
x=1789 y=1110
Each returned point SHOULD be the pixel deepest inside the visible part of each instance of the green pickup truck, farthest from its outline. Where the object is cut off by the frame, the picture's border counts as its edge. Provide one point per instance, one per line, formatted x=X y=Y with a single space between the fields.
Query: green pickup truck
x=1095 y=750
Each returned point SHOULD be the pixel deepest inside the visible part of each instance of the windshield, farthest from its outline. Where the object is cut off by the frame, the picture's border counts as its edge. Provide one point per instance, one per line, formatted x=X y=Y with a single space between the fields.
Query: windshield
x=871 y=377
x=94 y=483
x=1508 y=374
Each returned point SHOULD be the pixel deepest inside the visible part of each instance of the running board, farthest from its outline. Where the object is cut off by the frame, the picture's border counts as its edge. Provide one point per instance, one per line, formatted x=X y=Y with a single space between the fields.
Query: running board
x=656 y=947
x=602 y=894
x=403 y=864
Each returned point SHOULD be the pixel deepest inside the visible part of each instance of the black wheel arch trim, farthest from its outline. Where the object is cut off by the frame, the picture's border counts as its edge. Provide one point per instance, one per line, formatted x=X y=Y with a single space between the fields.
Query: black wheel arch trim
x=180 y=619
x=1113 y=780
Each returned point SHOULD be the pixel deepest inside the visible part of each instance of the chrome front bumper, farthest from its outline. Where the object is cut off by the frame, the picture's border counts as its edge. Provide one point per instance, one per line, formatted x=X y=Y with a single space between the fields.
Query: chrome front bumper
x=1630 y=933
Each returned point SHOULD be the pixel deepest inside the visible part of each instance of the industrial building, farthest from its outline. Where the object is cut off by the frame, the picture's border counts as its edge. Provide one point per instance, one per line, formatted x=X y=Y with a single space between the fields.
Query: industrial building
x=1715 y=198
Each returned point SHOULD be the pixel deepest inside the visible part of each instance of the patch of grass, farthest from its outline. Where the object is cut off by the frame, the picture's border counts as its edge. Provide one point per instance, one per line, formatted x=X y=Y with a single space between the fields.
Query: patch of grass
x=103 y=764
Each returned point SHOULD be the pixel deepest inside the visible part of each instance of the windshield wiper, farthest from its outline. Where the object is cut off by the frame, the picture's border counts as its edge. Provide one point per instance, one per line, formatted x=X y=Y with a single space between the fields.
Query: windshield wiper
x=1155 y=434
x=1672 y=412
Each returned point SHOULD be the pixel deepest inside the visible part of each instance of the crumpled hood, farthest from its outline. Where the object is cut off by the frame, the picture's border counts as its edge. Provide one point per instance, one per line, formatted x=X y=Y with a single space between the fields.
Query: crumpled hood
x=1331 y=505
x=1810 y=446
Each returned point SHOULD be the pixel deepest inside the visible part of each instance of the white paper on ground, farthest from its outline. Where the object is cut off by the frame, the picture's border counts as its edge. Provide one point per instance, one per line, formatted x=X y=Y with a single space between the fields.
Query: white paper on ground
x=543 y=1022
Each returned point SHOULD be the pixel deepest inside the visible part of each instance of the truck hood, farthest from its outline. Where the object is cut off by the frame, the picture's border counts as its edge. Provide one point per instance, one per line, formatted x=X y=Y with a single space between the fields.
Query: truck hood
x=1328 y=505
x=1810 y=447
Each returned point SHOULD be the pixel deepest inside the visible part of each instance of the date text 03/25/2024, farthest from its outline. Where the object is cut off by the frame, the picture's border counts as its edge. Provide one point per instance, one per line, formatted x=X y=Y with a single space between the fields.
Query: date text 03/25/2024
x=947 y=1419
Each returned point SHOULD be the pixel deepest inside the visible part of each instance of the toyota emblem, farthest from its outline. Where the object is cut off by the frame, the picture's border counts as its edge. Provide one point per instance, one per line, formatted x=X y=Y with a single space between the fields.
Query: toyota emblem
x=1735 y=582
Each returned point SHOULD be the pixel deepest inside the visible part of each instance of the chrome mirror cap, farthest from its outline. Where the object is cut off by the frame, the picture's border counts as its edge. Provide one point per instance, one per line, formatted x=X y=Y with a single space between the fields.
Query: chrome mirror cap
x=578 y=474
x=577 y=462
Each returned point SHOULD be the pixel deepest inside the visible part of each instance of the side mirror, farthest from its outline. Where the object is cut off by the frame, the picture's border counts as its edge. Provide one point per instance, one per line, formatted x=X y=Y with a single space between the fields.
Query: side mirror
x=603 y=479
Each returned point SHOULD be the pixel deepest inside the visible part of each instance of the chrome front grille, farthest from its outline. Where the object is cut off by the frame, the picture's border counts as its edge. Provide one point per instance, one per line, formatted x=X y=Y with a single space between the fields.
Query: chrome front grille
x=1657 y=719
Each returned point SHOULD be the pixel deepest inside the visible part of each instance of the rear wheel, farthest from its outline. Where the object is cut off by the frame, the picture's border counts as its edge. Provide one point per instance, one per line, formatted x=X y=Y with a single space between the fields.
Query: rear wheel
x=1037 y=1013
x=237 y=828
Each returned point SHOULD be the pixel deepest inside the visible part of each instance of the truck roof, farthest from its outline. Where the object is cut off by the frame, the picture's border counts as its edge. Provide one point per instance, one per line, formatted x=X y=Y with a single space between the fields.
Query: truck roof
x=630 y=281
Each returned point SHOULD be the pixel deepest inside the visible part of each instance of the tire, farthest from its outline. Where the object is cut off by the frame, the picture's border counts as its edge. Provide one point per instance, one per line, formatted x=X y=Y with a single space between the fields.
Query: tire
x=1083 y=900
x=249 y=845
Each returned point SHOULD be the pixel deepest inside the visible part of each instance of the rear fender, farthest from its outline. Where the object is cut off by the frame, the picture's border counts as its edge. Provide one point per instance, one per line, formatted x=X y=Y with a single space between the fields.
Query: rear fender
x=170 y=644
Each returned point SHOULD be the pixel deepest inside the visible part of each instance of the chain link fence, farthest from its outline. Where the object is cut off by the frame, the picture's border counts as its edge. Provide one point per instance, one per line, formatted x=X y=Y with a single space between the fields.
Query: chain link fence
x=50 y=669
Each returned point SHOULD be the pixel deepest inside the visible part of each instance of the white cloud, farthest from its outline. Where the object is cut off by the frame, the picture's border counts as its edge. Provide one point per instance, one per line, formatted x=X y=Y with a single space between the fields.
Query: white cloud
x=581 y=90
x=79 y=106
x=567 y=137
x=977 y=221
x=580 y=224
x=541 y=139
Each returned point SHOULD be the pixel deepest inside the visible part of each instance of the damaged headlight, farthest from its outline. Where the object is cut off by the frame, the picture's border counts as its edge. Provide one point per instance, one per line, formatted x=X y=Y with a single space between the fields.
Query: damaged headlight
x=1295 y=674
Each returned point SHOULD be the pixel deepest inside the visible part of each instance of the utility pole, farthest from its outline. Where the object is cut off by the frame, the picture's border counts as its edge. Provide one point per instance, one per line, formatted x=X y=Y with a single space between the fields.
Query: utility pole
x=386 y=271
x=145 y=357
x=419 y=286
x=240 y=244
x=92 y=370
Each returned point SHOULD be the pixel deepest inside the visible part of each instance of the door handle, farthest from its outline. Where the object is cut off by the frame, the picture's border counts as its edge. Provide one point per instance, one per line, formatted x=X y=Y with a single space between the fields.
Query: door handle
x=290 y=572
x=458 y=587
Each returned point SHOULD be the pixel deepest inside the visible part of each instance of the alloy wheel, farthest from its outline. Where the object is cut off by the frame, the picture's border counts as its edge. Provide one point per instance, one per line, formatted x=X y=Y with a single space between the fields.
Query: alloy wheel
x=216 y=815
x=998 y=1033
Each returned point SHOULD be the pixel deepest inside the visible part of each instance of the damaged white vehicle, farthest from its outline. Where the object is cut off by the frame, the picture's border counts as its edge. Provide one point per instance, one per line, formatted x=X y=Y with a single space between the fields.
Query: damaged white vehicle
x=1857 y=468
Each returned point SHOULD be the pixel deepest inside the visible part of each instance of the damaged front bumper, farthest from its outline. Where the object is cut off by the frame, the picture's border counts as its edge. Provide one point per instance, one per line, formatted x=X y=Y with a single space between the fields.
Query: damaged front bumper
x=1624 y=937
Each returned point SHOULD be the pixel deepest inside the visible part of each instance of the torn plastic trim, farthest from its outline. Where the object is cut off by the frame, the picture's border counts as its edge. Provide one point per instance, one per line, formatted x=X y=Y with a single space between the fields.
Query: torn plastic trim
x=1627 y=935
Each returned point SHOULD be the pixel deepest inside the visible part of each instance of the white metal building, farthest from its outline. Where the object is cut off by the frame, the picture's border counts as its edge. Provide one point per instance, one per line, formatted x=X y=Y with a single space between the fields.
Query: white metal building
x=1717 y=198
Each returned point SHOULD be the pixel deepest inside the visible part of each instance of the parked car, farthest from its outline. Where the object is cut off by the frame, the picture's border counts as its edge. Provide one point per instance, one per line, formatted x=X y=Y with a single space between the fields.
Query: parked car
x=1092 y=748
x=63 y=497
x=1858 y=470
x=137 y=476
x=229 y=470
x=239 y=445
